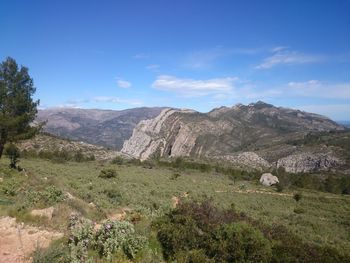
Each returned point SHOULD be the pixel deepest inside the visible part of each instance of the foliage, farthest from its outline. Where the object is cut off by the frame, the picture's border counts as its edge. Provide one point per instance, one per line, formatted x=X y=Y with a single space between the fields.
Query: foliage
x=241 y=242
x=13 y=153
x=297 y=196
x=111 y=238
x=219 y=235
x=18 y=110
x=81 y=238
x=118 y=160
x=212 y=235
x=57 y=252
x=108 y=173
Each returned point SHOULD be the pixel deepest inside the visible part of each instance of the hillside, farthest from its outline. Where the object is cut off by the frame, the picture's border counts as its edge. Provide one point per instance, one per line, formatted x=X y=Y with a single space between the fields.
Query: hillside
x=237 y=134
x=46 y=145
x=107 y=128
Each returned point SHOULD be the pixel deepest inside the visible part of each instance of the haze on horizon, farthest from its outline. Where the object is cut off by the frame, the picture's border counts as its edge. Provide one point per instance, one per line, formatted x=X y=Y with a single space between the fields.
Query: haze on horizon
x=185 y=54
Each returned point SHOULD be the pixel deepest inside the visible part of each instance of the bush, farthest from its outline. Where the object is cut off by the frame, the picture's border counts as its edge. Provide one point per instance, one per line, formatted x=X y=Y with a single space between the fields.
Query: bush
x=12 y=152
x=118 y=160
x=108 y=173
x=57 y=252
x=118 y=235
x=175 y=176
x=279 y=188
x=200 y=232
x=297 y=196
x=240 y=242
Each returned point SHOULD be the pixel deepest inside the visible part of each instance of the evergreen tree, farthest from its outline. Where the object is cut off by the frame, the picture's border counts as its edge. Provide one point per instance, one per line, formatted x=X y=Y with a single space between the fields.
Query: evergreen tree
x=17 y=108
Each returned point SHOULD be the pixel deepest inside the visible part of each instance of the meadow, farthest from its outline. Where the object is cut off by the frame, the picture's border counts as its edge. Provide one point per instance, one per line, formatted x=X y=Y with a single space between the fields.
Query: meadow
x=147 y=192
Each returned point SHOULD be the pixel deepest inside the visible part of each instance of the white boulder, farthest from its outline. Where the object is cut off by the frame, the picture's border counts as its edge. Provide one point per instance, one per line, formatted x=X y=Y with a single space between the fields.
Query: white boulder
x=268 y=179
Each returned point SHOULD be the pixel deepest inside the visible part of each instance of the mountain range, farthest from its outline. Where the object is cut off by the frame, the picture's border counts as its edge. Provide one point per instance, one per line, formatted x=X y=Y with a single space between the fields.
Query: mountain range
x=257 y=135
x=107 y=128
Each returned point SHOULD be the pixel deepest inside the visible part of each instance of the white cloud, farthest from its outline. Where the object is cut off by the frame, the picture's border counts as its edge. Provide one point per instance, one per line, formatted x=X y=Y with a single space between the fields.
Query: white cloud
x=110 y=99
x=123 y=83
x=284 y=56
x=194 y=88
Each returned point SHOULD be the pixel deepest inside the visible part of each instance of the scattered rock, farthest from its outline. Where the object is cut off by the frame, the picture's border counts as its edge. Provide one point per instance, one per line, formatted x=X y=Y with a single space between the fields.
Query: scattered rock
x=308 y=162
x=175 y=201
x=46 y=212
x=1 y=179
x=69 y=196
x=268 y=179
x=247 y=159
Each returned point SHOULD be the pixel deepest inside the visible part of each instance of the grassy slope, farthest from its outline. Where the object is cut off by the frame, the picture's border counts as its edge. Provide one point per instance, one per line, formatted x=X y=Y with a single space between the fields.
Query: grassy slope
x=325 y=220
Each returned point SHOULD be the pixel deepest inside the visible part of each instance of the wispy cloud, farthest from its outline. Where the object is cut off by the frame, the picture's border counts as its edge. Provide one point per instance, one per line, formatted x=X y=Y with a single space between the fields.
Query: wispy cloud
x=117 y=100
x=193 y=87
x=141 y=56
x=205 y=58
x=123 y=83
x=153 y=67
x=319 y=89
x=285 y=56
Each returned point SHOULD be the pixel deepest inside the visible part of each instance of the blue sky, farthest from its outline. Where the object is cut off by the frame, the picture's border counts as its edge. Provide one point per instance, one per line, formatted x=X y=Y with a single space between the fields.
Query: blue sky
x=187 y=54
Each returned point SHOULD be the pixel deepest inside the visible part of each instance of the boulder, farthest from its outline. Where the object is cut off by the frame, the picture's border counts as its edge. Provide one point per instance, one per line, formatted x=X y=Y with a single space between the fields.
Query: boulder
x=268 y=179
x=46 y=212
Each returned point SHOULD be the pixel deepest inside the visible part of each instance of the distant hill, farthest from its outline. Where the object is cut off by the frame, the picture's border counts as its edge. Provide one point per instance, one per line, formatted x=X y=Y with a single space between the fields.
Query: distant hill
x=107 y=128
x=257 y=135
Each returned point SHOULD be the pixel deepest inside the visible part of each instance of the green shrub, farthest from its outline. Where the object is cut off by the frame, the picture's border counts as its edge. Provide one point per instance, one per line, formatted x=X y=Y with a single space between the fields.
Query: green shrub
x=118 y=160
x=13 y=153
x=299 y=210
x=113 y=196
x=175 y=176
x=108 y=173
x=240 y=242
x=80 y=240
x=297 y=196
x=118 y=235
x=279 y=188
x=57 y=252
x=193 y=256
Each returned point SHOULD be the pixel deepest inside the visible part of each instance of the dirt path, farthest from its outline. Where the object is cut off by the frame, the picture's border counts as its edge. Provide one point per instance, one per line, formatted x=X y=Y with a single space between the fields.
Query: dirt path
x=18 y=241
x=248 y=191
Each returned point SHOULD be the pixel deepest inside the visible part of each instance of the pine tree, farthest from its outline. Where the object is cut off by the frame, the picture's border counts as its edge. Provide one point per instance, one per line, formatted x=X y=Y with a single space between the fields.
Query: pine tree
x=17 y=108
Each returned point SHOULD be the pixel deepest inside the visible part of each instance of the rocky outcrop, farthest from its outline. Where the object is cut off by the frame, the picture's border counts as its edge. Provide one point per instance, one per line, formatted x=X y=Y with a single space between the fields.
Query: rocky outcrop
x=46 y=212
x=151 y=136
x=267 y=179
x=247 y=159
x=308 y=162
x=222 y=133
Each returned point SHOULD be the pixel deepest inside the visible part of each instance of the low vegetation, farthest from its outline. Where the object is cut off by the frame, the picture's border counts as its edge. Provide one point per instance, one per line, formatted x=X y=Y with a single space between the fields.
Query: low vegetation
x=268 y=223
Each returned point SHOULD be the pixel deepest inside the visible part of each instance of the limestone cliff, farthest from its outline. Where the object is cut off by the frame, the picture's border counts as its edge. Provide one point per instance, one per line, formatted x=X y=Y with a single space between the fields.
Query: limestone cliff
x=232 y=133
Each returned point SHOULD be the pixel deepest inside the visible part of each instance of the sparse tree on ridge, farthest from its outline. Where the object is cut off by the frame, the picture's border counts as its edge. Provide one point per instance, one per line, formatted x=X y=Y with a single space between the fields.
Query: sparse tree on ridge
x=17 y=107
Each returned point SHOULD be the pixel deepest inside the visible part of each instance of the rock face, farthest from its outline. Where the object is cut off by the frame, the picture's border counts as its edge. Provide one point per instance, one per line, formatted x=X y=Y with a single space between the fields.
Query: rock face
x=149 y=137
x=268 y=179
x=308 y=162
x=107 y=128
x=222 y=133
x=247 y=159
